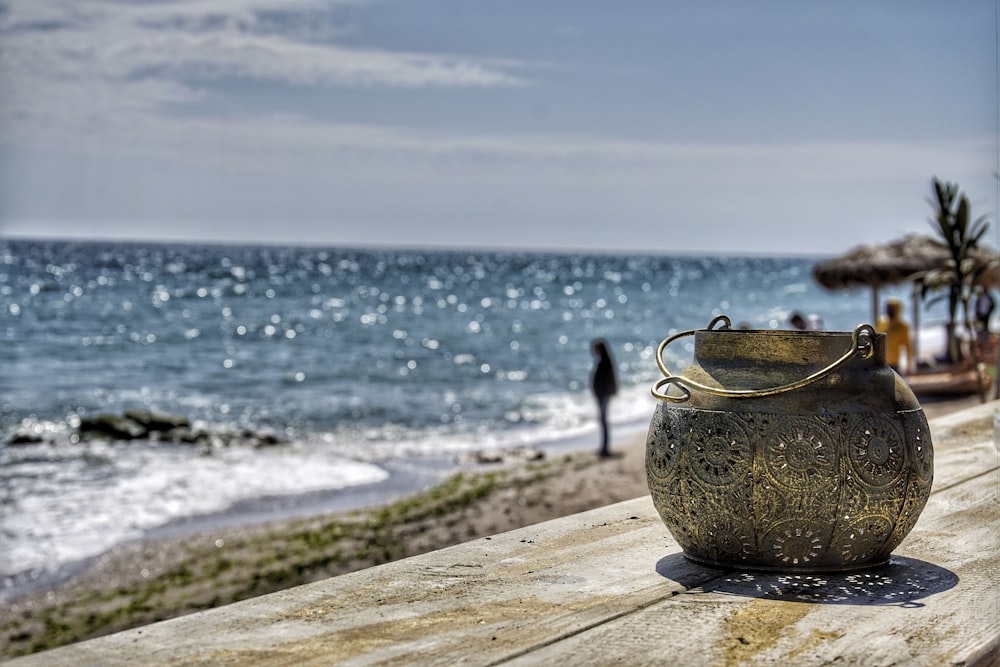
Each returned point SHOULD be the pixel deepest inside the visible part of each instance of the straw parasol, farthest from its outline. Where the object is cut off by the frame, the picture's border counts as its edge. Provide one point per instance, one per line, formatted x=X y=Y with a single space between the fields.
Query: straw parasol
x=877 y=265
x=904 y=260
x=900 y=261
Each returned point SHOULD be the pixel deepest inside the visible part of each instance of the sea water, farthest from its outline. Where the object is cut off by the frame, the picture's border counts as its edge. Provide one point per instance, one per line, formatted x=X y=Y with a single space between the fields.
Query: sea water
x=360 y=363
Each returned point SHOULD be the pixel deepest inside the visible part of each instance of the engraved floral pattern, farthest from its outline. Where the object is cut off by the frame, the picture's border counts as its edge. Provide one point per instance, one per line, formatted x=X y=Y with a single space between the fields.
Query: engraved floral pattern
x=799 y=453
x=863 y=538
x=915 y=425
x=732 y=542
x=795 y=543
x=876 y=451
x=662 y=452
x=721 y=450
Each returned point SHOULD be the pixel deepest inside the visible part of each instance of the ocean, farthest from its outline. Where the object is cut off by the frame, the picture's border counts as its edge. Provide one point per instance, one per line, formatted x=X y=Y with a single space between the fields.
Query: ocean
x=322 y=378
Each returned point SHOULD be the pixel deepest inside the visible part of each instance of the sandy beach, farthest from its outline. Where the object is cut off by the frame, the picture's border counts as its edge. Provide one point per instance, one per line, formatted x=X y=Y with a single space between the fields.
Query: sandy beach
x=147 y=581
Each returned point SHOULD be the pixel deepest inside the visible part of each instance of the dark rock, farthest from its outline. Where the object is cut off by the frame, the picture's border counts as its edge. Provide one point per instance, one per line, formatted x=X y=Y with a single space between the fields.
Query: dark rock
x=266 y=440
x=25 y=439
x=113 y=427
x=527 y=454
x=157 y=421
x=516 y=455
x=164 y=427
x=184 y=435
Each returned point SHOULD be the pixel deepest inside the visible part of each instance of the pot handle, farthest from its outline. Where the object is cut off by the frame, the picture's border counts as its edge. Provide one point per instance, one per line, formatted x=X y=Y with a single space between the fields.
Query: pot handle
x=861 y=346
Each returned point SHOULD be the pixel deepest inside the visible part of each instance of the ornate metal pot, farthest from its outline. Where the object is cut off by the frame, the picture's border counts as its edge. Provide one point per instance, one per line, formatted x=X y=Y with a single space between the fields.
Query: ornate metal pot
x=787 y=450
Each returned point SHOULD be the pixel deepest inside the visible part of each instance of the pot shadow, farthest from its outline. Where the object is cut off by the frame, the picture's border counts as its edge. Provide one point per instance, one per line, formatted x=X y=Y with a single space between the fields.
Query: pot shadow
x=902 y=582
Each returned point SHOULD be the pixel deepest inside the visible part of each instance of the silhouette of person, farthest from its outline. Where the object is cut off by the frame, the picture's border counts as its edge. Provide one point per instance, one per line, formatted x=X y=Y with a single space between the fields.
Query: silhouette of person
x=604 y=385
x=984 y=310
x=800 y=322
x=897 y=335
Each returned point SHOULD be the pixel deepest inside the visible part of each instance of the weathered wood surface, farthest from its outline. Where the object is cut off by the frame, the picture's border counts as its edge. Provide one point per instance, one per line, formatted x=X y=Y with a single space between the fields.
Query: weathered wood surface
x=609 y=586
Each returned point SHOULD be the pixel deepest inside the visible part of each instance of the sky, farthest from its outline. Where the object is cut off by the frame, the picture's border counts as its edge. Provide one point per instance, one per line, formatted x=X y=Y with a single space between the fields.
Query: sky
x=718 y=126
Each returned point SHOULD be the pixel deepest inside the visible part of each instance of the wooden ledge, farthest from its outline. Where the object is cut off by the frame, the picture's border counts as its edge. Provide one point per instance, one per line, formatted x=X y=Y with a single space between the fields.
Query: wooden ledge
x=609 y=586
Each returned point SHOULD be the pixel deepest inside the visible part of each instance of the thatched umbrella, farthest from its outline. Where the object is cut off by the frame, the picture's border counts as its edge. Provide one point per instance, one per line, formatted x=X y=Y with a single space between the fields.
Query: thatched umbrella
x=903 y=260
x=877 y=265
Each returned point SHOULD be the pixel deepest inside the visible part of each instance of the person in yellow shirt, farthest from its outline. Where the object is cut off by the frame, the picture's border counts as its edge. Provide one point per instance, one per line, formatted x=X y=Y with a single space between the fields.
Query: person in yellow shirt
x=897 y=339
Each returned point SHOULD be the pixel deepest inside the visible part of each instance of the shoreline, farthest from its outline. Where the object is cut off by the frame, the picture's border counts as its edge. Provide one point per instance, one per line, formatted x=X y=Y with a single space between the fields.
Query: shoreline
x=164 y=575
x=147 y=580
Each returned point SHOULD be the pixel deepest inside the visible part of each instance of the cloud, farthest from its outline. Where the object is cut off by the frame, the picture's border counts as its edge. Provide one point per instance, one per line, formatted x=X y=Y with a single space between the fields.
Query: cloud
x=281 y=42
x=292 y=41
x=307 y=144
x=74 y=64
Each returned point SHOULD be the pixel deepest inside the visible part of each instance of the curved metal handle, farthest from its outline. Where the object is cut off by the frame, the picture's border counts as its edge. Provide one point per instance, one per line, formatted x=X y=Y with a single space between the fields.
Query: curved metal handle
x=861 y=345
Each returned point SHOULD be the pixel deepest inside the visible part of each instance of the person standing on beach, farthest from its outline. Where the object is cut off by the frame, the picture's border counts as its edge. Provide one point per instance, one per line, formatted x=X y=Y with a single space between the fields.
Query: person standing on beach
x=604 y=385
x=897 y=335
x=800 y=322
x=984 y=310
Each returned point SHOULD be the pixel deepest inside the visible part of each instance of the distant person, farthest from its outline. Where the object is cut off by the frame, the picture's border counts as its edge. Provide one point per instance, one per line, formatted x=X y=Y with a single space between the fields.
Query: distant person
x=897 y=335
x=984 y=310
x=604 y=385
x=800 y=322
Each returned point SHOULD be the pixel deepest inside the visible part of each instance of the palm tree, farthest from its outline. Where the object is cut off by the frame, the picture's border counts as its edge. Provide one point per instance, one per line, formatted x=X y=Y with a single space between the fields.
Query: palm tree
x=962 y=274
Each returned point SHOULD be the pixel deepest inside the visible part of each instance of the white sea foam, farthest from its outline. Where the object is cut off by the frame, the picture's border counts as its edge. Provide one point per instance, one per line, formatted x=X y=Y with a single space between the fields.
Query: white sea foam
x=127 y=490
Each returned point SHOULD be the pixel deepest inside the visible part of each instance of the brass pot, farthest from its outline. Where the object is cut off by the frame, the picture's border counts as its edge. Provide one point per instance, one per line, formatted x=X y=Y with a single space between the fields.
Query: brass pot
x=787 y=450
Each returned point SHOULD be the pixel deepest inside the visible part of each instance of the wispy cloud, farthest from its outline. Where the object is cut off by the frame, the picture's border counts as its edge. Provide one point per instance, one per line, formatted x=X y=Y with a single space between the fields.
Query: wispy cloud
x=72 y=64
x=297 y=144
